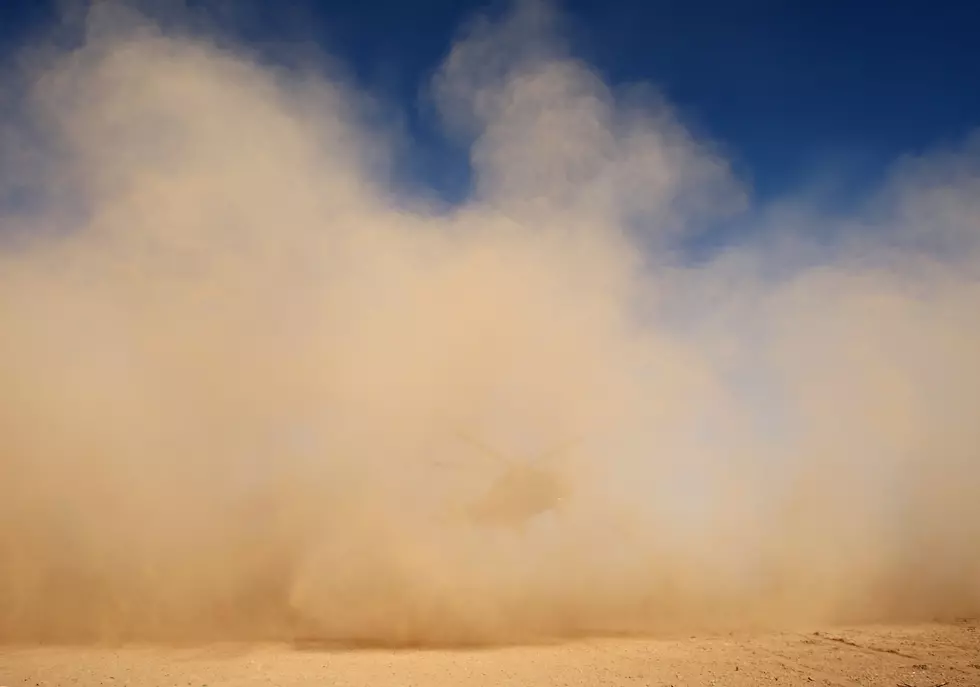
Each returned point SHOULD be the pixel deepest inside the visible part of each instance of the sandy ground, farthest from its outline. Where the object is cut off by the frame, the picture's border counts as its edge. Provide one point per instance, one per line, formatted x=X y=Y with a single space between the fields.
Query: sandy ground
x=912 y=656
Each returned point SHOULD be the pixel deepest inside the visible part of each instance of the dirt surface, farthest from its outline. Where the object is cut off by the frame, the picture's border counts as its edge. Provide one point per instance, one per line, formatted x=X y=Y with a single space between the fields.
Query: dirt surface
x=896 y=656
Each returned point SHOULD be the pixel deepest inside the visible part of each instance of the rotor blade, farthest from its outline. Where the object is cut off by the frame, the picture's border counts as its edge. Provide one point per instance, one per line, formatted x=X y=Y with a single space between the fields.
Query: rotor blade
x=557 y=450
x=482 y=447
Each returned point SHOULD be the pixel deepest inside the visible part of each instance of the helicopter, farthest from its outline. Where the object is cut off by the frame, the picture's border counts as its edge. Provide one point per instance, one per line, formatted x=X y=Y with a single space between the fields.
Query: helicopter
x=523 y=490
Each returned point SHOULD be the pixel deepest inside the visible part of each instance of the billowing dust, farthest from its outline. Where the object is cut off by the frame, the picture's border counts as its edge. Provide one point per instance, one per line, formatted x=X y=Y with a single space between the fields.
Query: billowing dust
x=252 y=387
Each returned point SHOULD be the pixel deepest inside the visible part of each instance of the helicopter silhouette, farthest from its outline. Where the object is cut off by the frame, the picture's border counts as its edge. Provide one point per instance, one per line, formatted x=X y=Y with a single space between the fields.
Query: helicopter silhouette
x=522 y=490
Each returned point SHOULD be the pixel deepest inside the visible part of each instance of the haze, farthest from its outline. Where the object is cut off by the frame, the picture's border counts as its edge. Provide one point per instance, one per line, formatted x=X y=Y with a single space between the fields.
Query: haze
x=236 y=359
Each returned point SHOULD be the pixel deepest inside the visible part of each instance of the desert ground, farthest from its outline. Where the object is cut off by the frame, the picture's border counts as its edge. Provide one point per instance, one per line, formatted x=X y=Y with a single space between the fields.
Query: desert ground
x=926 y=655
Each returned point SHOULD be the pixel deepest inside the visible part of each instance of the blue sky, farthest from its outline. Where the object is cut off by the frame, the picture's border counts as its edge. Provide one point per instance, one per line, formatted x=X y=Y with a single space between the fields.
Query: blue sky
x=799 y=93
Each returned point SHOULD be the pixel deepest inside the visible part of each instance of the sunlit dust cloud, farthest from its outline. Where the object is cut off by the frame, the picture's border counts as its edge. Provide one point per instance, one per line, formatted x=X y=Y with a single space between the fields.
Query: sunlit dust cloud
x=243 y=382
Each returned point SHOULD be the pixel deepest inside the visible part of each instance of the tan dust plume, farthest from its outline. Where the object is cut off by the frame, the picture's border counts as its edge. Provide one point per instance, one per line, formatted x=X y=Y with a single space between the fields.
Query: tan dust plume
x=236 y=363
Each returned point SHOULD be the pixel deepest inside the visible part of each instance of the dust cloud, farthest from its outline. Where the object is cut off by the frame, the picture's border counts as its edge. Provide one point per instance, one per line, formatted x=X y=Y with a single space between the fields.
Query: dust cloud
x=236 y=362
